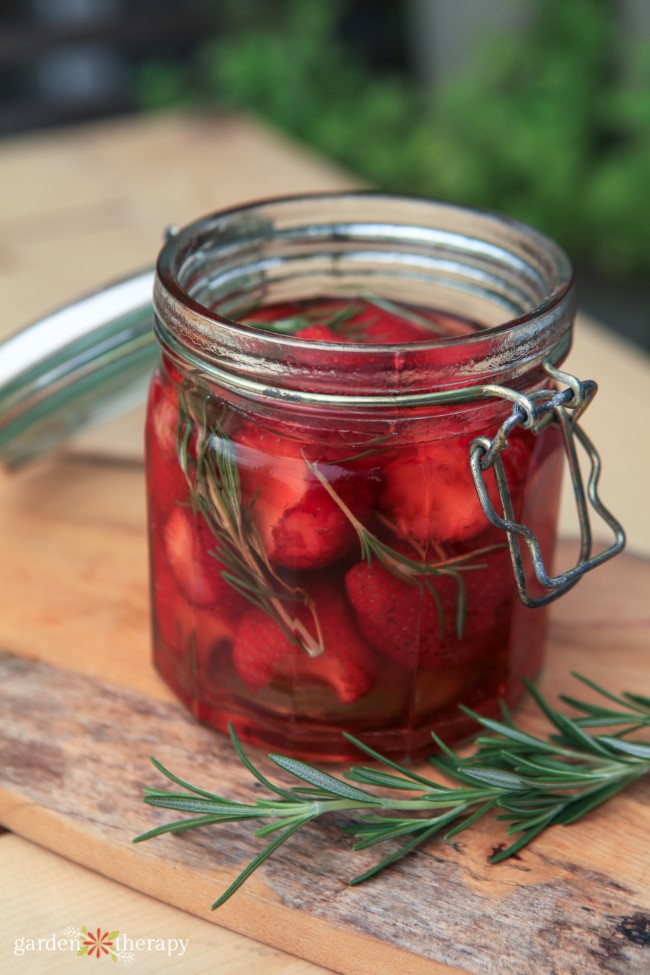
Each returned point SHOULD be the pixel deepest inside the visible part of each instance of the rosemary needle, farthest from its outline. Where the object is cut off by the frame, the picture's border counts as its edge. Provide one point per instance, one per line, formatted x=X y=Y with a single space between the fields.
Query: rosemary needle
x=531 y=782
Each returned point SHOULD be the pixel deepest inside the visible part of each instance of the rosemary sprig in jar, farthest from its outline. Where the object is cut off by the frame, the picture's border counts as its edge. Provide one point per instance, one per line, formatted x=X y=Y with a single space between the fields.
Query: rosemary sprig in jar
x=214 y=487
x=532 y=783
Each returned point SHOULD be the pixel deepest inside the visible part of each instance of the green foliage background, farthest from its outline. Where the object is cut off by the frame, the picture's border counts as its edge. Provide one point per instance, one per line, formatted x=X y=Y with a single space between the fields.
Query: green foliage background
x=552 y=126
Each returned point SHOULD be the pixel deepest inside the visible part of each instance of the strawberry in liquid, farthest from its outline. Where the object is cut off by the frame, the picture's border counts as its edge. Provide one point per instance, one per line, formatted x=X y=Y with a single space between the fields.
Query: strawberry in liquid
x=396 y=660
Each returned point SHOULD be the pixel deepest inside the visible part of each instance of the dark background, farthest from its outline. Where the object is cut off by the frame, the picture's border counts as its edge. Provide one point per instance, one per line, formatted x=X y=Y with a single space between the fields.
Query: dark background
x=536 y=108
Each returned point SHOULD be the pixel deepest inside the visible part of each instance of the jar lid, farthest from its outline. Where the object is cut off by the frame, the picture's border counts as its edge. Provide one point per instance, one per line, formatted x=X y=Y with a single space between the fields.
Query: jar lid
x=86 y=363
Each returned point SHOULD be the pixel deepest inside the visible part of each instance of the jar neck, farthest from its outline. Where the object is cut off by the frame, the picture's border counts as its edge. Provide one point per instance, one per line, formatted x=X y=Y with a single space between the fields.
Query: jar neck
x=512 y=281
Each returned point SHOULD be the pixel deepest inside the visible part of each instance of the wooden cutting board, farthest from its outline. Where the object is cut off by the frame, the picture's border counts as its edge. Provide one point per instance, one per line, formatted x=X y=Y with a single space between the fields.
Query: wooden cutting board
x=81 y=711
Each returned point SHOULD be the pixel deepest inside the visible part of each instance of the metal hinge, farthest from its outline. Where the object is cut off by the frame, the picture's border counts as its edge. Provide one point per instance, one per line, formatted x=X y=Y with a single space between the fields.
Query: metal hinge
x=534 y=412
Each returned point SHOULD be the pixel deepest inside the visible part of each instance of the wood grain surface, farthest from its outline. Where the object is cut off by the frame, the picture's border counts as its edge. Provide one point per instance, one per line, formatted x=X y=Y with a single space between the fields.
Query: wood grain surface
x=48 y=893
x=82 y=710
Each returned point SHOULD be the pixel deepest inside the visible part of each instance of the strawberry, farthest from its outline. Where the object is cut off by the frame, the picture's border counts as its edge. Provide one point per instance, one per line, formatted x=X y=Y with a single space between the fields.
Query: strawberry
x=381 y=324
x=164 y=416
x=429 y=494
x=180 y=625
x=273 y=313
x=449 y=325
x=263 y=653
x=372 y=325
x=167 y=483
x=188 y=542
x=385 y=331
x=319 y=333
x=301 y=525
x=402 y=619
x=185 y=628
x=380 y=327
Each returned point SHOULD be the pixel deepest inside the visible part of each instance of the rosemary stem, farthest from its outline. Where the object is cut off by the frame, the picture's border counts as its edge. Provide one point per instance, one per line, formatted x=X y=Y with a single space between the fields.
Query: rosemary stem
x=381 y=804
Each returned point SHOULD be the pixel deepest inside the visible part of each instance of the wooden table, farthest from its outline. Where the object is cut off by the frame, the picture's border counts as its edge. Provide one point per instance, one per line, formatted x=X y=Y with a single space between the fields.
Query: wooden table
x=78 y=208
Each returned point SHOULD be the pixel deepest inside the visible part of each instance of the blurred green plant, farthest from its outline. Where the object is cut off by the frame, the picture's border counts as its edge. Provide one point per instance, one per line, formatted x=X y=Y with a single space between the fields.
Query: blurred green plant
x=551 y=126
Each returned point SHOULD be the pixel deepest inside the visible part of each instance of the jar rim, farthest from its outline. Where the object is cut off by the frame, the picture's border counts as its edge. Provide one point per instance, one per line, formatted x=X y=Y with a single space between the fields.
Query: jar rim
x=209 y=338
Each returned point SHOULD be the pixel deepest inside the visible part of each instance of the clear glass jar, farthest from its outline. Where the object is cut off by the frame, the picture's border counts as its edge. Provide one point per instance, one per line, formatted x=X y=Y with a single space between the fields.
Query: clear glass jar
x=320 y=561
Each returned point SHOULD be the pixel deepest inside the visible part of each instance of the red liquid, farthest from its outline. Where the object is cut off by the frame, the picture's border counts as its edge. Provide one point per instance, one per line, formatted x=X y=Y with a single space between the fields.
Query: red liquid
x=241 y=602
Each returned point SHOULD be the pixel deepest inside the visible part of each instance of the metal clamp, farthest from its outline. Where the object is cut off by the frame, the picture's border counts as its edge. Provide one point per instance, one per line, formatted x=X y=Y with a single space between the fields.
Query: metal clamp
x=534 y=412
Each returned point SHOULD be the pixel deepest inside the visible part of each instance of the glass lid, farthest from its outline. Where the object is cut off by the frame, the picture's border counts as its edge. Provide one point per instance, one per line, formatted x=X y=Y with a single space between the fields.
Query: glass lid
x=86 y=363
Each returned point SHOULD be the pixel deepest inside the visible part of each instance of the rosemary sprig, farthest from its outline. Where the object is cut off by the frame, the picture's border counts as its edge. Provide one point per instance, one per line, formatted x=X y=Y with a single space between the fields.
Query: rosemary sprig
x=335 y=319
x=212 y=477
x=341 y=319
x=413 y=571
x=532 y=783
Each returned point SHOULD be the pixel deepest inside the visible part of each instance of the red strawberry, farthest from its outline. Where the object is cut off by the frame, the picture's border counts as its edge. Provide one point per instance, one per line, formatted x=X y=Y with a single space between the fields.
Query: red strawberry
x=181 y=626
x=164 y=416
x=273 y=313
x=380 y=327
x=386 y=332
x=167 y=483
x=429 y=493
x=319 y=333
x=186 y=629
x=301 y=525
x=448 y=325
x=403 y=620
x=263 y=653
x=187 y=544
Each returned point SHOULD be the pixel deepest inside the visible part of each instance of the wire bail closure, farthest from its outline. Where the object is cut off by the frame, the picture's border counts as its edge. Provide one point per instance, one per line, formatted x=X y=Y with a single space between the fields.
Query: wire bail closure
x=535 y=412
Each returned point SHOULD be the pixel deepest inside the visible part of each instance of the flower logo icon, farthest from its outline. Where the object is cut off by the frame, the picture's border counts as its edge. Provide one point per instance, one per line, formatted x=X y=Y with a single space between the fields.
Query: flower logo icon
x=99 y=943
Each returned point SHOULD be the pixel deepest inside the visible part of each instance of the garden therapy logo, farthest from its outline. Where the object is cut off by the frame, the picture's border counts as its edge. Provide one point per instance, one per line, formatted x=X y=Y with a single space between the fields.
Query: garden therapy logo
x=100 y=942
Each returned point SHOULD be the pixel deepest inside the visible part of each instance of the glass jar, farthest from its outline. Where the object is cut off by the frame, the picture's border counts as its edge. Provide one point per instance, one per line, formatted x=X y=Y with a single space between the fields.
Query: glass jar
x=321 y=559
